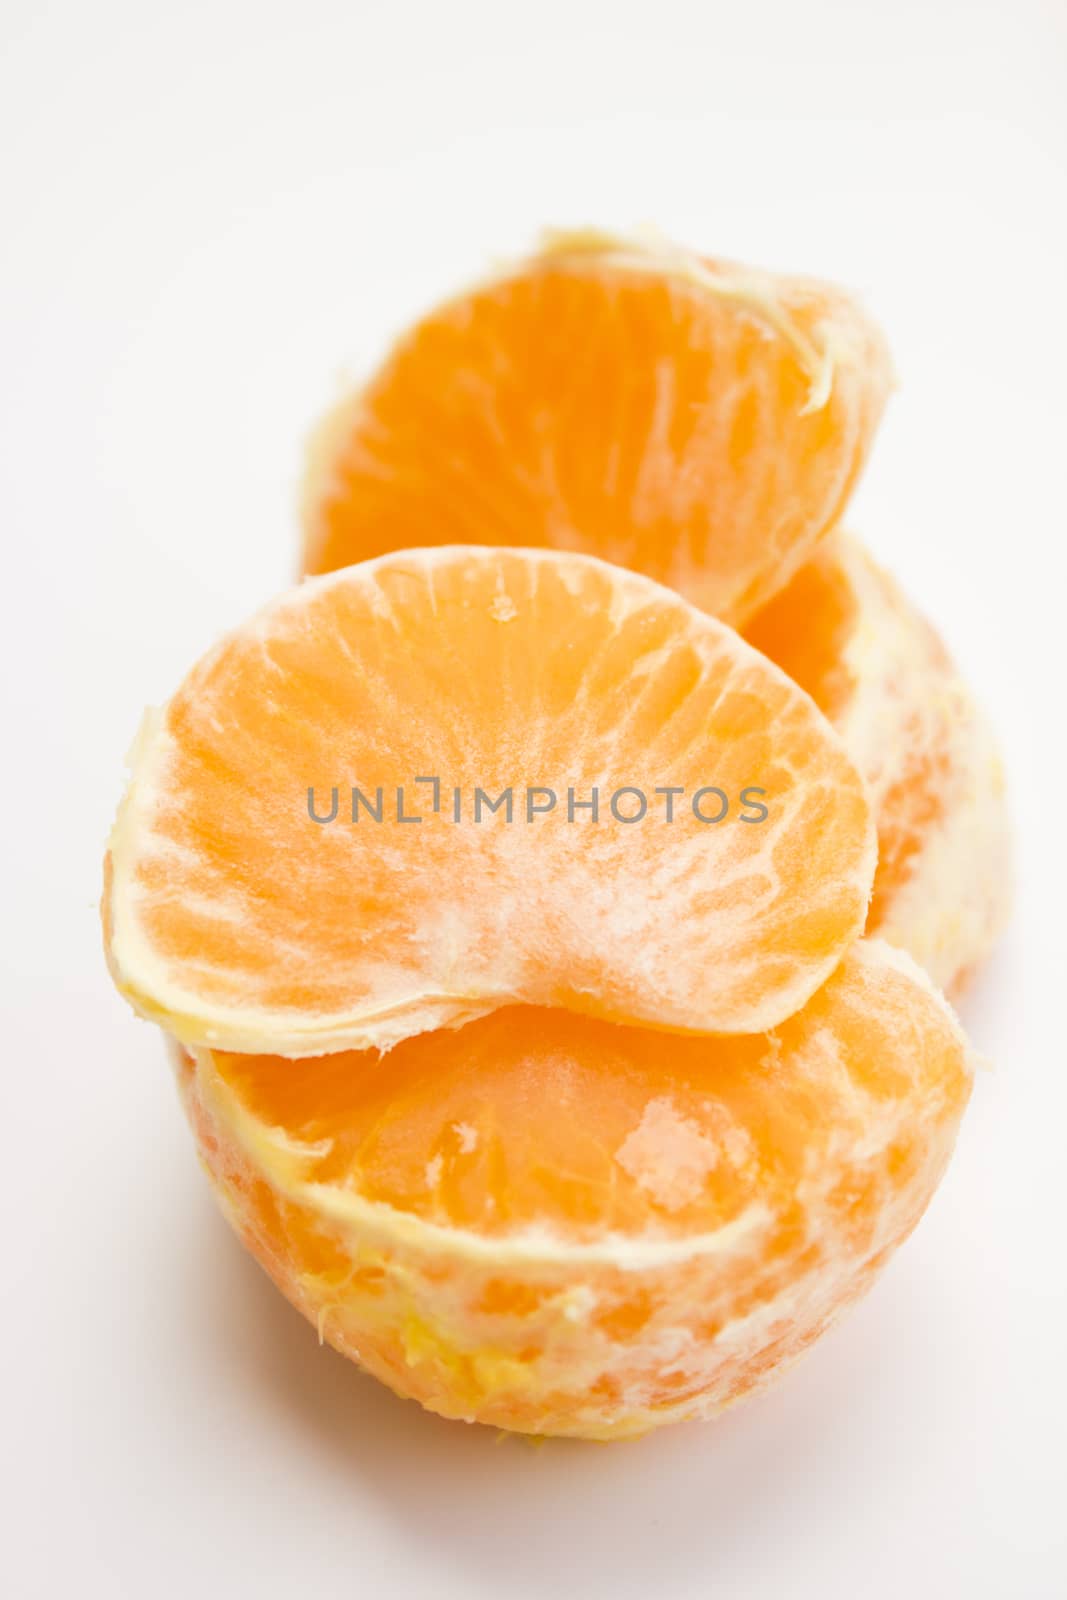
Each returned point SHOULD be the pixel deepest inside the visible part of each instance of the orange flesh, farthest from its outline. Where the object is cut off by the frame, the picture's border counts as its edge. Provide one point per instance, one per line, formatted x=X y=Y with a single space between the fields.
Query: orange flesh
x=807 y=630
x=528 y=1109
x=913 y=806
x=543 y=1219
x=493 y=670
x=591 y=401
x=583 y=404
x=808 y=1153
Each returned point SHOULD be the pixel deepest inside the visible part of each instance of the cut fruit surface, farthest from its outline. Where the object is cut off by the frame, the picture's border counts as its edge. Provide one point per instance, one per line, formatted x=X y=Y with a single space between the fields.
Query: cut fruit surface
x=846 y=633
x=551 y=1223
x=237 y=920
x=698 y=421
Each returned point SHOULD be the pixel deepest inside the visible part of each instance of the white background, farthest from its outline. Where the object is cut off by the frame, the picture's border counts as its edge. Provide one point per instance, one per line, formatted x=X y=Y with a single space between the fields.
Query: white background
x=209 y=213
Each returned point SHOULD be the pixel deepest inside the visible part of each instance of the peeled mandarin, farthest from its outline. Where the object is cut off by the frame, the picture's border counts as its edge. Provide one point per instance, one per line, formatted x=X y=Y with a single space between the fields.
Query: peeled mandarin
x=555 y=1224
x=847 y=634
x=503 y=905
x=267 y=891
x=702 y=422
x=696 y=420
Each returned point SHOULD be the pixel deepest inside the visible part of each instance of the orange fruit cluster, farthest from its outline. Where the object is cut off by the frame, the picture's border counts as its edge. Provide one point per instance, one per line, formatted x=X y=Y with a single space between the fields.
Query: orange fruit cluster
x=503 y=888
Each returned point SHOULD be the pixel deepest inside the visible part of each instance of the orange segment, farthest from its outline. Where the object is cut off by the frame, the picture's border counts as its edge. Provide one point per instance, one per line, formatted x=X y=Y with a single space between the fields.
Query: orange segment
x=695 y=420
x=550 y=1223
x=848 y=635
x=237 y=920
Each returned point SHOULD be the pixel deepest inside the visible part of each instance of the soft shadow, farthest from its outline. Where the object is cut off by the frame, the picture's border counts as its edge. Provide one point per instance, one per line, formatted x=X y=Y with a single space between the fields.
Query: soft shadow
x=672 y=1510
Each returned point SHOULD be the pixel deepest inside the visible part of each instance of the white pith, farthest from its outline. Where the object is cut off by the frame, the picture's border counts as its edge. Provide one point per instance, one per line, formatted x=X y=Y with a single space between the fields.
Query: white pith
x=907 y=697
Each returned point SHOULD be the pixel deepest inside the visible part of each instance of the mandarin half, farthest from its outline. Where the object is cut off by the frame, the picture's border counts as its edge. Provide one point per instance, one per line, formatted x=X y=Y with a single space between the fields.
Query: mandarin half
x=236 y=921
x=699 y=421
x=844 y=630
x=558 y=1225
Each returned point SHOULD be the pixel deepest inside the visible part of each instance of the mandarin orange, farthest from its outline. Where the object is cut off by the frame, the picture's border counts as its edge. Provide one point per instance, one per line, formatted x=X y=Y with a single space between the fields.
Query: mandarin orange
x=506 y=903
x=699 y=421
x=843 y=630
x=237 y=920
x=631 y=400
x=558 y=1225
